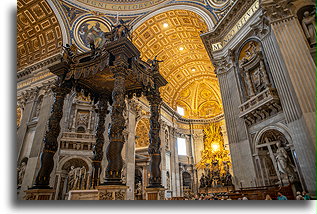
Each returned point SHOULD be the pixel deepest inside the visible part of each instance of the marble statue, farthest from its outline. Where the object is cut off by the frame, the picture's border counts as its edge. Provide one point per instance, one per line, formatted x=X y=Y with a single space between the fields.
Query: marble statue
x=139 y=188
x=284 y=165
x=168 y=181
x=71 y=178
x=202 y=181
x=21 y=173
x=309 y=27
x=228 y=179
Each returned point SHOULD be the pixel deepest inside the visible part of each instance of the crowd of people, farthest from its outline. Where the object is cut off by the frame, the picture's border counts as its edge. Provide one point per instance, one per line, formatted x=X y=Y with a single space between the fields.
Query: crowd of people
x=222 y=197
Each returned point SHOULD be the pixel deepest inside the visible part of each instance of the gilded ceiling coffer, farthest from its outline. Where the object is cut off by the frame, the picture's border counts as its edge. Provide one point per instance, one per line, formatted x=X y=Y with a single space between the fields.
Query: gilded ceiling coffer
x=50 y=139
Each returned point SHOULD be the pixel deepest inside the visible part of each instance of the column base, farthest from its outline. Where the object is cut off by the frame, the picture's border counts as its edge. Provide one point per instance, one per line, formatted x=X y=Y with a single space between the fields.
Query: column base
x=39 y=194
x=155 y=193
x=112 y=192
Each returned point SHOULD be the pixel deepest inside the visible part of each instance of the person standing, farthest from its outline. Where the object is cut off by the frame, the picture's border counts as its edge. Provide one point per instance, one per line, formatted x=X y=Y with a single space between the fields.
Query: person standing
x=299 y=196
x=305 y=196
x=281 y=197
x=268 y=197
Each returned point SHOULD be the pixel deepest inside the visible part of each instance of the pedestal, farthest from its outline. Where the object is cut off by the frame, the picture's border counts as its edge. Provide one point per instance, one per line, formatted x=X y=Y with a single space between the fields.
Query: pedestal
x=155 y=193
x=39 y=194
x=83 y=195
x=112 y=192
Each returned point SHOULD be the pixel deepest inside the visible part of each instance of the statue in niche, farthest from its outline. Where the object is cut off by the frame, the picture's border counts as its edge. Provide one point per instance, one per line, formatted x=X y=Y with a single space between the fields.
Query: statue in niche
x=166 y=140
x=284 y=164
x=309 y=27
x=139 y=188
x=257 y=79
x=21 y=173
x=228 y=179
x=202 y=181
x=168 y=181
x=72 y=178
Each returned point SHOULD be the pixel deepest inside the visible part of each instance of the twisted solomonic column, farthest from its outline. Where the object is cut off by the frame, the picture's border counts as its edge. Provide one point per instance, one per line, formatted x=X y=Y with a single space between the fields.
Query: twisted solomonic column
x=50 y=138
x=155 y=101
x=115 y=133
x=100 y=140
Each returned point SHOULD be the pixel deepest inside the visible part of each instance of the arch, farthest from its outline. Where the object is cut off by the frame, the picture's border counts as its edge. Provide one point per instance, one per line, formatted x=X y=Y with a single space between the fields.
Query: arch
x=278 y=127
x=62 y=25
x=206 y=17
x=251 y=81
x=81 y=129
x=303 y=5
x=187 y=179
x=64 y=160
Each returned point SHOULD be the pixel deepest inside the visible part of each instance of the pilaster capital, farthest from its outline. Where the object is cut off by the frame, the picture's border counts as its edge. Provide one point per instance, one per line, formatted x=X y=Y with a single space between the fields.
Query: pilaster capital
x=261 y=28
x=198 y=136
x=223 y=64
x=48 y=87
x=277 y=10
x=134 y=106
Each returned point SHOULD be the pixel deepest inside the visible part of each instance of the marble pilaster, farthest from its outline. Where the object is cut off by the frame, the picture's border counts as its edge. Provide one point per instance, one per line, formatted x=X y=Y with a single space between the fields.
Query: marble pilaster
x=293 y=71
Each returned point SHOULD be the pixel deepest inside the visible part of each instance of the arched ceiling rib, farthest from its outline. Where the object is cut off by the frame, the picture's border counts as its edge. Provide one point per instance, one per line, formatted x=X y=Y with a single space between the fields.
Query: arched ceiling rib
x=174 y=36
x=38 y=32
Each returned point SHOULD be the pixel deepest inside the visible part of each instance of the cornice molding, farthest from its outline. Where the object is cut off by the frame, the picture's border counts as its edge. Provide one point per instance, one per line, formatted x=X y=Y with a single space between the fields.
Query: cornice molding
x=21 y=74
x=277 y=10
x=227 y=23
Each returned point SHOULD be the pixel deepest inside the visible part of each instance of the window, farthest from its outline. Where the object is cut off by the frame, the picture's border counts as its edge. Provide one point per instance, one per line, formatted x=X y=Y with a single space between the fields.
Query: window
x=181 y=146
x=180 y=111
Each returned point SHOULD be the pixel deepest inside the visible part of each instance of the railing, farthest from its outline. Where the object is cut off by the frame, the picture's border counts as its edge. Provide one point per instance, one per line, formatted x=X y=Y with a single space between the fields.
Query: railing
x=261 y=98
x=77 y=141
x=260 y=106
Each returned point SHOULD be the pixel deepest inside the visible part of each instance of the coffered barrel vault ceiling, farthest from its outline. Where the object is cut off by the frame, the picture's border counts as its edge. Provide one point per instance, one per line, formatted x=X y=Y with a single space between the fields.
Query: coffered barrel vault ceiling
x=38 y=32
x=174 y=37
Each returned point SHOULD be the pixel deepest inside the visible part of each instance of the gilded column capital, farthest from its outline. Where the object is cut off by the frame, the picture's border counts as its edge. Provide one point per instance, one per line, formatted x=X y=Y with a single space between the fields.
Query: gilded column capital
x=277 y=10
